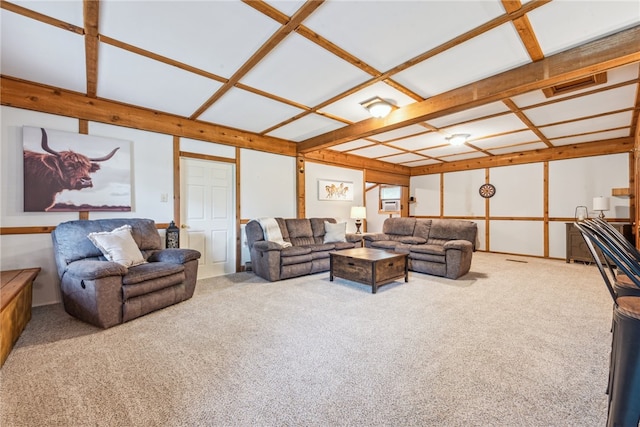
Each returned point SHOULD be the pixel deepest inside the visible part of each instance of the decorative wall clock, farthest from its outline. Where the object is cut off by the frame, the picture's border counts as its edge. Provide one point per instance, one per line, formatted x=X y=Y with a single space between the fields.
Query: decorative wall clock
x=487 y=190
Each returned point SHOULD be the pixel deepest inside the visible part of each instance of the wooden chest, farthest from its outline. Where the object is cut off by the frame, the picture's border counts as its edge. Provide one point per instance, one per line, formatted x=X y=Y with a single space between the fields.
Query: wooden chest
x=15 y=306
x=372 y=267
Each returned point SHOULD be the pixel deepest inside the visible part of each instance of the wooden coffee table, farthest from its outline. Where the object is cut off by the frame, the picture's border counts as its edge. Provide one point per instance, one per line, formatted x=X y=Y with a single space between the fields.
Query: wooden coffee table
x=373 y=267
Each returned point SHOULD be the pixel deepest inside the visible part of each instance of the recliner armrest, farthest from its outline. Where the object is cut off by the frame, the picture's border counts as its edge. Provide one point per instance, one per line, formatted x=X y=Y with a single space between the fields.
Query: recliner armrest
x=458 y=244
x=264 y=245
x=93 y=269
x=174 y=255
x=353 y=237
x=373 y=237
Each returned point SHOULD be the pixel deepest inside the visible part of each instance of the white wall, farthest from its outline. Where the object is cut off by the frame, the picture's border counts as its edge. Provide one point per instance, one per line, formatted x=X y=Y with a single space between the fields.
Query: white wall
x=515 y=215
x=339 y=209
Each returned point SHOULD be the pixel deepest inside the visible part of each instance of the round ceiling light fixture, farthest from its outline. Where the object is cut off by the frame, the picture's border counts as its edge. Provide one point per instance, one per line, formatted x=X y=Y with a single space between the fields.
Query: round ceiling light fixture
x=377 y=107
x=458 y=138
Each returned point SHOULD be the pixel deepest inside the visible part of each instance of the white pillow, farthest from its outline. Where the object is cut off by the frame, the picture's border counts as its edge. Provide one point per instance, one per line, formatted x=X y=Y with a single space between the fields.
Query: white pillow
x=118 y=246
x=335 y=232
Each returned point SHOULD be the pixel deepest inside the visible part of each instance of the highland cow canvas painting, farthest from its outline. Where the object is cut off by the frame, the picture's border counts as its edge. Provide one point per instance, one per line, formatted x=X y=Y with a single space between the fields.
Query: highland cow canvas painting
x=68 y=172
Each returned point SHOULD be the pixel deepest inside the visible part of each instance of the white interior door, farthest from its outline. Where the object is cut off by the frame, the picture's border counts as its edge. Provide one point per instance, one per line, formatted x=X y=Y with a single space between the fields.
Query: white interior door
x=208 y=214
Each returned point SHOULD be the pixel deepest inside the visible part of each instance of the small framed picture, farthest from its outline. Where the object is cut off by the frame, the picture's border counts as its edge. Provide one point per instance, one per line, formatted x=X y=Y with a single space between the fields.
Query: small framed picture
x=335 y=190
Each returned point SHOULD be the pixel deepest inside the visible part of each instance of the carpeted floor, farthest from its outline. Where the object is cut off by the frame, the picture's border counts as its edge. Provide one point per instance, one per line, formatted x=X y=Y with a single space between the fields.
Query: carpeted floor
x=510 y=344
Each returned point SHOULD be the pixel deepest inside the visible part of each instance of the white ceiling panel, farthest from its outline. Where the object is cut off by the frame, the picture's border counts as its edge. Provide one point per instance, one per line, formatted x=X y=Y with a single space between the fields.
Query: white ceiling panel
x=352 y=145
x=464 y=156
x=403 y=158
x=615 y=76
x=610 y=121
x=45 y=54
x=303 y=72
x=384 y=37
x=508 y=139
x=620 y=133
x=518 y=148
x=560 y=25
x=378 y=150
x=597 y=103
x=288 y=7
x=486 y=127
x=349 y=107
x=306 y=127
x=70 y=11
x=135 y=79
x=420 y=142
x=446 y=150
x=245 y=110
x=211 y=36
x=423 y=163
x=470 y=114
x=401 y=132
x=491 y=53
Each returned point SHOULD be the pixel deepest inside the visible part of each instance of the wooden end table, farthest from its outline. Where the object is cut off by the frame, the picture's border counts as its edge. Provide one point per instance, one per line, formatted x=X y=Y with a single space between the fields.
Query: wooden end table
x=373 y=267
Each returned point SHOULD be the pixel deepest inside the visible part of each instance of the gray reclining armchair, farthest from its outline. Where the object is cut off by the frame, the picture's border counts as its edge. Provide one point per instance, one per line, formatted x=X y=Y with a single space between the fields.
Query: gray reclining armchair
x=106 y=293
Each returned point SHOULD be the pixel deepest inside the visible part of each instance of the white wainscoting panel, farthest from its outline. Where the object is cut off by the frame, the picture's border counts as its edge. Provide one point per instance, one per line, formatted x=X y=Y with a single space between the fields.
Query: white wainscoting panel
x=576 y=182
x=519 y=191
x=461 y=197
x=517 y=237
x=557 y=240
x=426 y=190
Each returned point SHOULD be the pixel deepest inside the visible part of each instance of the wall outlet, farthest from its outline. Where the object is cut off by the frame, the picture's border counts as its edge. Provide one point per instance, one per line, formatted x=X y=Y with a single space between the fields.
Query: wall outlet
x=164 y=198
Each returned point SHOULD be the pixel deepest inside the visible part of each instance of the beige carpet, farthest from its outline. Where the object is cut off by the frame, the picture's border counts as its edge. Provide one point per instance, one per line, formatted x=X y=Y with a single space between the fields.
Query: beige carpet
x=511 y=344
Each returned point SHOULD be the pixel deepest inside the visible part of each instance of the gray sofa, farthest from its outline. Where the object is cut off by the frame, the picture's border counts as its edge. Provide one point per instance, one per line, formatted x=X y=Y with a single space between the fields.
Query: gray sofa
x=307 y=254
x=106 y=293
x=441 y=247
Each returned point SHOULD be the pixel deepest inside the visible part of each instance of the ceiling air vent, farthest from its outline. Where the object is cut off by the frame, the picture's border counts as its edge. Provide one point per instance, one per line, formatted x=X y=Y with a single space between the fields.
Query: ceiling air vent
x=582 y=83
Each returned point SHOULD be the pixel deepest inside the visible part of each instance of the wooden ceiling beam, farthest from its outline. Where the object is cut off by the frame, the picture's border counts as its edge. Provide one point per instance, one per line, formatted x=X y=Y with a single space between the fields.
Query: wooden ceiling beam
x=37 y=97
x=91 y=9
x=609 y=52
x=587 y=149
x=356 y=162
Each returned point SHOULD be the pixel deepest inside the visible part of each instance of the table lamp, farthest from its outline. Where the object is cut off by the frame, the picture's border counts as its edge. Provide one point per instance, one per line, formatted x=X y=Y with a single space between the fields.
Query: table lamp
x=358 y=213
x=601 y=204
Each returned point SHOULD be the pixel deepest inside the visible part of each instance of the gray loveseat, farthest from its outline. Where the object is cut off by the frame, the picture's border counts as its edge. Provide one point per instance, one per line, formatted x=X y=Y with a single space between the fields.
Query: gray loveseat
x=307 y=254
x=106 y=293
x=441 y=247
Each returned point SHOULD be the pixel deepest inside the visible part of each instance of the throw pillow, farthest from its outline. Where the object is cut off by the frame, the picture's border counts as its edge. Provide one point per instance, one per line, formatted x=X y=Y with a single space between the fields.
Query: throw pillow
x=335 y=232
x=118 y=246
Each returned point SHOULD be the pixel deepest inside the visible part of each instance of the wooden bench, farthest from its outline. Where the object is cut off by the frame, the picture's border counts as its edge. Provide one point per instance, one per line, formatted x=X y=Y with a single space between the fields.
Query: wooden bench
x=15 y=306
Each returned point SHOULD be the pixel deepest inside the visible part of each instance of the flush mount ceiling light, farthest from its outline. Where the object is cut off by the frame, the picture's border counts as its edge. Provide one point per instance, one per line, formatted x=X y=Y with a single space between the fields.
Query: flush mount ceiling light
x=377 y=107
x=458 y=138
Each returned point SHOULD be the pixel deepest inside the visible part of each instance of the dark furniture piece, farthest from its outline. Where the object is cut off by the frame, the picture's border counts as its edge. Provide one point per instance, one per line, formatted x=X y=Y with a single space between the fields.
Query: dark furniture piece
x=441 y=247
x=624 y=369
x=576 y=247
x=303 y=250
x=373 y=267
x=106 y=293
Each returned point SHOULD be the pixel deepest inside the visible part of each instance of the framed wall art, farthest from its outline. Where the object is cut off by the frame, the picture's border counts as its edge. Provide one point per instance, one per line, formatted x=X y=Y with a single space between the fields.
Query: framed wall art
x=70 y=172
x=335 y=190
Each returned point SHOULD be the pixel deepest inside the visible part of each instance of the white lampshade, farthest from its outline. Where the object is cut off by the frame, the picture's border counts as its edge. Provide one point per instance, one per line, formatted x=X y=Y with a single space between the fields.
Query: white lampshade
x=358 y=212
x=600 y=203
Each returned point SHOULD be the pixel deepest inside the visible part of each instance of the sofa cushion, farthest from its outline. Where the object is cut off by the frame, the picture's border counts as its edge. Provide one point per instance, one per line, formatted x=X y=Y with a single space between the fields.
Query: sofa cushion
x=412 y=240
x=385 y=244
x=300 y=232
x=423 y=226
x=335 y=232
x=401 y=226
x=118 y=246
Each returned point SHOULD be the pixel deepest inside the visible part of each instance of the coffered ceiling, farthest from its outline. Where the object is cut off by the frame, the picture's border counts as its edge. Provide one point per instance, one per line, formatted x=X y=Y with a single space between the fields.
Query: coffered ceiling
x=298 y=71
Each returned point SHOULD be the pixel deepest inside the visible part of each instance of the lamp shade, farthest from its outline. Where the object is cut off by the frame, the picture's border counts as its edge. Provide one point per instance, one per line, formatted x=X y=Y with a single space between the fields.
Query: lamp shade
x=600 y=203
x=358 y=212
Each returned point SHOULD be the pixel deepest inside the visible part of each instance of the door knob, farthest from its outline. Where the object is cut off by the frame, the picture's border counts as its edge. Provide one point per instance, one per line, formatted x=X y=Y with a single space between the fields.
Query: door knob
x=184 y=226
